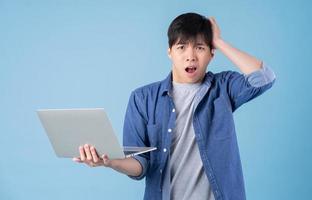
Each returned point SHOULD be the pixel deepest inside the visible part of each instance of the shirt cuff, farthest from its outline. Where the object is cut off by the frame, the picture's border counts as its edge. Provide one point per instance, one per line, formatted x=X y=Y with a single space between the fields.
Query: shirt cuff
x=261 y=77
x=143 y=163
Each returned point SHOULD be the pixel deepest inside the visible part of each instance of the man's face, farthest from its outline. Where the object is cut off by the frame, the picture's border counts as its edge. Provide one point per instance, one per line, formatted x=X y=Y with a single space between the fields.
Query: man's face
x=190 y=60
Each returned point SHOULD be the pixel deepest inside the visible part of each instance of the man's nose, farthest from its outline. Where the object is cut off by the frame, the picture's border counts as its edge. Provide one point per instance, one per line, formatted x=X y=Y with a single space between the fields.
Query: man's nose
x=190 y=55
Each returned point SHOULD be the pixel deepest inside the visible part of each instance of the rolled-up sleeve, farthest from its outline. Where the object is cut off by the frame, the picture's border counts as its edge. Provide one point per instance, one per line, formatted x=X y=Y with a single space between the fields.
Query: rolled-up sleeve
x=261 y=77
x=134 y=131
x=242 y=88
x=144 y=164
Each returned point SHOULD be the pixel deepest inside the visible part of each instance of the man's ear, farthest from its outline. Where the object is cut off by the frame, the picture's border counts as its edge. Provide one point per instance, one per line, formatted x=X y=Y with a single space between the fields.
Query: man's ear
x=212 y=53
x=169 y=52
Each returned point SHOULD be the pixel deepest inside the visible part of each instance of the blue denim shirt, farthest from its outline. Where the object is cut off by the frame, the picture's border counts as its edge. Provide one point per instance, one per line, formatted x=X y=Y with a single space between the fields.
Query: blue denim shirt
x=150 y=119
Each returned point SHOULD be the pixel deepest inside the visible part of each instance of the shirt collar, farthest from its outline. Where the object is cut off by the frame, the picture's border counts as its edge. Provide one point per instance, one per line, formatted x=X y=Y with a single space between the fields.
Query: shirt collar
x=166 y=84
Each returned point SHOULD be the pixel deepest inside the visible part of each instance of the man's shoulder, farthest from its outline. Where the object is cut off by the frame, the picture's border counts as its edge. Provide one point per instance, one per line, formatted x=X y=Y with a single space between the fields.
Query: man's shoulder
x=148 y=87
x=151 y=89
x=223 y=76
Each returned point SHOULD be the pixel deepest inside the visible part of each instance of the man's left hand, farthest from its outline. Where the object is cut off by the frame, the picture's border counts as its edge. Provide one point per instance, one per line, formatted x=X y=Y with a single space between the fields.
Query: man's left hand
x=216 y=33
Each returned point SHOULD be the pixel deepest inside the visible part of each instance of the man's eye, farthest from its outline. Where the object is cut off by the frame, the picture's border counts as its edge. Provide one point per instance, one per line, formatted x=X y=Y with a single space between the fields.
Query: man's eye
x=181 y=47
x=200 y=48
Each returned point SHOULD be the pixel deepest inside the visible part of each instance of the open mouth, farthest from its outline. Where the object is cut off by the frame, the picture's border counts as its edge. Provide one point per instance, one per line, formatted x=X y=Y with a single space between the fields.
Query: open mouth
x=190 y=69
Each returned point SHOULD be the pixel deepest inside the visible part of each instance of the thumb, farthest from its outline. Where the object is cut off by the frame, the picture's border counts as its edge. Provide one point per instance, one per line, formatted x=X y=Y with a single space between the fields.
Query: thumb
x=76 y=159
x=106 y=160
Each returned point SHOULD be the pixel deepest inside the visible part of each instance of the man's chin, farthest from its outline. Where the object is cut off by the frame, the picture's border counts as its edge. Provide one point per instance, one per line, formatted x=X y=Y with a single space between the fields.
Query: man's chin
x=195 y=79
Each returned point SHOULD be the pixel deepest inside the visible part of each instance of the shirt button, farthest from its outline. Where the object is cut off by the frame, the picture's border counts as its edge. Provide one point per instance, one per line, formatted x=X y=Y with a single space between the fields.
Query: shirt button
x=160 y=171
x=165 y=150
x=173 y=110
x=169 y=130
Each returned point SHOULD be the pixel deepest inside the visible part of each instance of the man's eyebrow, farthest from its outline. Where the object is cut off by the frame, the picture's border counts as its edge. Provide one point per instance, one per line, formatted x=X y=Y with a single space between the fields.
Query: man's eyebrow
x=186 y=42
x=181 y=42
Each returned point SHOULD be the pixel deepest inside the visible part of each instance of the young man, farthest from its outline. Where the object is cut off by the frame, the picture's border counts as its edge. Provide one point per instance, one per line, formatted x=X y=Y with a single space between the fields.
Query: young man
x=188 y=117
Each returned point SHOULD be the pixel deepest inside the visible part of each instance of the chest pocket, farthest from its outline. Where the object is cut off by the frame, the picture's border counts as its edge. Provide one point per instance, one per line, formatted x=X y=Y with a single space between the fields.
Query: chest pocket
x=222 y=125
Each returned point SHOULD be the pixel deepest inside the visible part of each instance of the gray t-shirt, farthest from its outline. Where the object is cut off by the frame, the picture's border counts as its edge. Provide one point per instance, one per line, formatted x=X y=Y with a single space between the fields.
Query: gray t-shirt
x=186 y=173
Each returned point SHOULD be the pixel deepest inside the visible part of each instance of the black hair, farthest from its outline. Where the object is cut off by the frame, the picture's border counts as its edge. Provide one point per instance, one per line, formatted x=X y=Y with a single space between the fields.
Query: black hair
x=187 y=27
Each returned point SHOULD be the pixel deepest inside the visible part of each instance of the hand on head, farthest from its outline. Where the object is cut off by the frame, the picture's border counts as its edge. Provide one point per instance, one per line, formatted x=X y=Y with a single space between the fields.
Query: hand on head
x=216 y=32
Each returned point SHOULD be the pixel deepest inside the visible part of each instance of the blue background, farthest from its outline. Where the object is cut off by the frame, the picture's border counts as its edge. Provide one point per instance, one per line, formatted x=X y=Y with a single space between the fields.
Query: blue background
x=73 y=54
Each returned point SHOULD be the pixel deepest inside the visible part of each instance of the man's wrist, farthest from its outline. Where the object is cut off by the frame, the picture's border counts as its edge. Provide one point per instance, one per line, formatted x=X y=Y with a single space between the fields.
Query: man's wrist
x=218 y=43
x=113 y=164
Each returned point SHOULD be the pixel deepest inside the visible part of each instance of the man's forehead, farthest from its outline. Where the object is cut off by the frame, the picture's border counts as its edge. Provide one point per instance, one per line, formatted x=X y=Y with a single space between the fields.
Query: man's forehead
x=191 y=40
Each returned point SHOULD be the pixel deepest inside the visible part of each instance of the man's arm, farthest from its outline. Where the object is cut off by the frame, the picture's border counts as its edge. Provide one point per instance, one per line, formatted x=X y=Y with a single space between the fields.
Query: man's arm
x=89 y=156
x=128 y=166
x=134 y=135
x=245 y=62
x=257 y=77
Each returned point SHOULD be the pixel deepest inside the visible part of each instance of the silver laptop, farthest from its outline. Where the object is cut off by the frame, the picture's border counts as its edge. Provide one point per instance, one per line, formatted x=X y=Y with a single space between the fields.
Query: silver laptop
x=68 y=129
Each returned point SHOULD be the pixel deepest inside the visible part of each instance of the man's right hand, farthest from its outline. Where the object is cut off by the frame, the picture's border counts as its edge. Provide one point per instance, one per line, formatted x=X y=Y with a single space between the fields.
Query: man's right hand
x=89 y=156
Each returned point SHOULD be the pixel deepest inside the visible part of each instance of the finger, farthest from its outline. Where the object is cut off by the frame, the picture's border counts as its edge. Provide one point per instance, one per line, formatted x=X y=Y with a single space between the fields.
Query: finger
x=105 y=156
x=213 y=24
x=106 y=160
x=82 y=154
x=76 y=159
x=212 y=20
x=94 y=154
x=88 y=153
